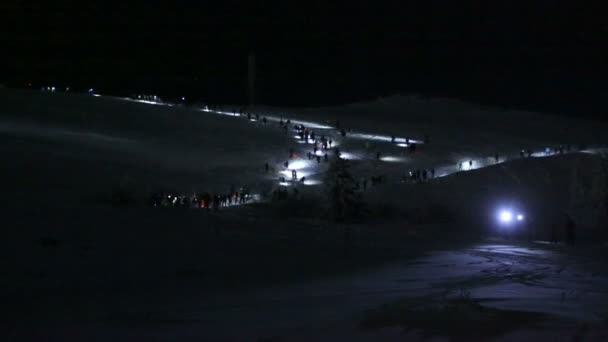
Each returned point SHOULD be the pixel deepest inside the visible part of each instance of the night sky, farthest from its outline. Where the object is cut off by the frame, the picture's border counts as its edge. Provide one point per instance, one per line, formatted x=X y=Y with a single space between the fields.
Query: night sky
x=540 y=55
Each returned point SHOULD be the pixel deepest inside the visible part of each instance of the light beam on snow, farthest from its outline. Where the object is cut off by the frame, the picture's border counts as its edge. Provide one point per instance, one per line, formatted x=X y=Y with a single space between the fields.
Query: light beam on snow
x=467 y=167
x=145 y=101
x=312 y=182
x=538 y=154
x=348 y=156
x=287 y=174
x=392 y=159
x=298 y=165
x=384 y=138
x=310 y=125
x=403 y=145
x=300 y=174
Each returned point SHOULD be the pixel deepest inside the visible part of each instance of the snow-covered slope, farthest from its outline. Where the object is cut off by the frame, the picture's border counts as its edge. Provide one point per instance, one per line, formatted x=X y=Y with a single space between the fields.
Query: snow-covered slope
x=83 y=146
x=460 y=130
x=82 y=270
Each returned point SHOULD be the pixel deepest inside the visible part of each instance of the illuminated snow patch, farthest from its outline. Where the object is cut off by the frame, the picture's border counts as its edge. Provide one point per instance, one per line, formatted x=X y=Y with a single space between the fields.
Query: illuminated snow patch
x=384 y=138
x=298 y=165
x=312 y=182
x=349 y=156
x=299 y=174
x=286 y=173
x=284 y=184
x=466 y=166
x=402 y=145
x=225 y=113
x=369 y=137
x=310 y=125
x=146 y=102
x=411 y=141
x=392 y=159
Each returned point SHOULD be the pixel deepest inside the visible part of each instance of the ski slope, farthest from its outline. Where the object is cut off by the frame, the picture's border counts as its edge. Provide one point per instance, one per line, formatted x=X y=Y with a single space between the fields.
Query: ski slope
x=81 y=269
x=172 y=148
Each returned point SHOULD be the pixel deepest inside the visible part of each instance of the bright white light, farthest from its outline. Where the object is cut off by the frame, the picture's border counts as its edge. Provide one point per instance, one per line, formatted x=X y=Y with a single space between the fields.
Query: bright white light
x=505 y=216
x=183 y=98
x=96 y=95
x=402 y=145
x=520 y=217
x=284 y=184
x=52 y=88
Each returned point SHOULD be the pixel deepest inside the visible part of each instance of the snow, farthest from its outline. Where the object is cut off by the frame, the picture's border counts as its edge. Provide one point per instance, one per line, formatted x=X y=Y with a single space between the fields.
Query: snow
x=66 y=150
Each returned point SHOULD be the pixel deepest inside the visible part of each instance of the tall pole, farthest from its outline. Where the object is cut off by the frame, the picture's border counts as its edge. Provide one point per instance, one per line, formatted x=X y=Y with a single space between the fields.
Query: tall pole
x=251 y=79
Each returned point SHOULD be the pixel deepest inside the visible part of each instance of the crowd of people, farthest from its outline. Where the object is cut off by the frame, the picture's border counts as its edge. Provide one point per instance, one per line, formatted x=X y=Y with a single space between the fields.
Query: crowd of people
x=204 y=200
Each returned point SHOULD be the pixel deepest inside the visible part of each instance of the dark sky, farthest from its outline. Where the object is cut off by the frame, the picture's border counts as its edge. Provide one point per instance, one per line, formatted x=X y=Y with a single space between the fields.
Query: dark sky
x=543 y=55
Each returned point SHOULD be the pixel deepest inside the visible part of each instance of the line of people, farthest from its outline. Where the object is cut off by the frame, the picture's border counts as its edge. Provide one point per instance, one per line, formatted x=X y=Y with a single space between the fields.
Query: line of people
x=200 y=201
